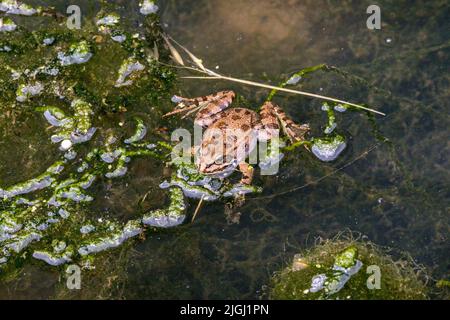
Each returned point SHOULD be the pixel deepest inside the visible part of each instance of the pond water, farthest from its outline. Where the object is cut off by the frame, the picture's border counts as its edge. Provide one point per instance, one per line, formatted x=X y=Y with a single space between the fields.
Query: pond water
x=394 y=193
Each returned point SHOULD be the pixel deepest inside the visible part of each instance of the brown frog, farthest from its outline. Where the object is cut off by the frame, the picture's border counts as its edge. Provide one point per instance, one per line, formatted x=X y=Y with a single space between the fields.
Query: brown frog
x=232 y=134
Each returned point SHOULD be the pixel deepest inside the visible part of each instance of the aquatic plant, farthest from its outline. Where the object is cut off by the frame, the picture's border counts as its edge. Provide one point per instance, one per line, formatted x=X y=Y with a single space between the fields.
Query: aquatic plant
x=345 y=269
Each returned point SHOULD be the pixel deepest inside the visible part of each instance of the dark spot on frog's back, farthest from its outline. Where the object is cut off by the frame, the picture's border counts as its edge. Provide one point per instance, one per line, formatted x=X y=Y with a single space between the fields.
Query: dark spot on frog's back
x=235 y=117
x=222 y=125
x=245 y=127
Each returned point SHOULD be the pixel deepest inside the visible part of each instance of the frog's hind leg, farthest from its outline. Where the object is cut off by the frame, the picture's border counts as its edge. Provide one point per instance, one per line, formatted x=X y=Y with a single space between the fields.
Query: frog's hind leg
x=247 y=173
x=272 y=115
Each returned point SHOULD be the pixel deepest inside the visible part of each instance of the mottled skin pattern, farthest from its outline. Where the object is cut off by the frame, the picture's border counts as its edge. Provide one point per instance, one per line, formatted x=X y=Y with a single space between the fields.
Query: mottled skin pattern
x=232 y=134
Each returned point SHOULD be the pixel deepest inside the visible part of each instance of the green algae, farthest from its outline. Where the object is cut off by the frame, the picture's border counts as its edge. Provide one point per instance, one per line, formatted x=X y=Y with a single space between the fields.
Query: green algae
x=61 y=75
x=345 y=269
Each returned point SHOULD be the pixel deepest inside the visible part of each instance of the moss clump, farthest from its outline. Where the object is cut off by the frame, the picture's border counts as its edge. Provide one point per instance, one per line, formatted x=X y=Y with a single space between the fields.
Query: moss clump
x=337 y=269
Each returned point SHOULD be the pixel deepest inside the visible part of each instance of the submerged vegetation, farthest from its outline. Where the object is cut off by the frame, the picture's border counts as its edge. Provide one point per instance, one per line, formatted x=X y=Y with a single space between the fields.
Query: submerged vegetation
x=349 y=269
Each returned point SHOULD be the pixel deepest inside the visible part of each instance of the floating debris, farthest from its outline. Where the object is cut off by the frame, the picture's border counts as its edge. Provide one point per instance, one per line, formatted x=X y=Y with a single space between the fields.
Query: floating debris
x=328 y=149
x=82 y=113
x=78 y=137
x=196 y=185
x=63 y=213
x=76 y=195
x=83 y=167
x=176 y=99
x=330 y=129
x=76 y=129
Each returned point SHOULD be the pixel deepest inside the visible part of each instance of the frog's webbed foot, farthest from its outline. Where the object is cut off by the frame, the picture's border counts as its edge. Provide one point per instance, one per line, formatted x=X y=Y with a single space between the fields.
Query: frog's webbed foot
x=272 y=115
x=247 y=173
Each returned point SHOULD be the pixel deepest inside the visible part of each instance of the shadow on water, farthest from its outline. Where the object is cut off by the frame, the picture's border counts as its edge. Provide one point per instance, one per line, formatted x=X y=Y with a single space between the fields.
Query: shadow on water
x=397 y=195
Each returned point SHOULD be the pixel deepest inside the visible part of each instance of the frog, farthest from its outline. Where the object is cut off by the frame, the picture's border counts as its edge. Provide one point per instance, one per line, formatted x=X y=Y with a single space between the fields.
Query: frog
x=231 y=134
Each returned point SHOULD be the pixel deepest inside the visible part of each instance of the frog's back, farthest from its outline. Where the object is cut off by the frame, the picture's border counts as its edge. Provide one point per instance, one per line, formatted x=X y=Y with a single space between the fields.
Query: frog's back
x=230 y=137
x=236 y=119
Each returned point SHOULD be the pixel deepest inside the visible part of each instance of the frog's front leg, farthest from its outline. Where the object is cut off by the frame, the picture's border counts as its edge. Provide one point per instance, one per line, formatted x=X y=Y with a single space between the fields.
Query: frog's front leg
x=247 y=173
x=211 y=112
x=206 y=106
x=272 y=115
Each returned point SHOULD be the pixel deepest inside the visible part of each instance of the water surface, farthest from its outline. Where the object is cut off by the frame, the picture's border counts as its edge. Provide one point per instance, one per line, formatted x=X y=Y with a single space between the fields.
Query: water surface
x=397 y=195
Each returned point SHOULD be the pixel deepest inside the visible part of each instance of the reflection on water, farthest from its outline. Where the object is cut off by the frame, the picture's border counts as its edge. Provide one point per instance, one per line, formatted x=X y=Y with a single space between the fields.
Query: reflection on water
x=397 y=195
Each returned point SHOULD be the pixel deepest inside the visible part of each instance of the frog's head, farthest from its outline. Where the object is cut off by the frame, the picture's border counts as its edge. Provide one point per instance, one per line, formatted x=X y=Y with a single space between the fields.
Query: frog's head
x=211 y=163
